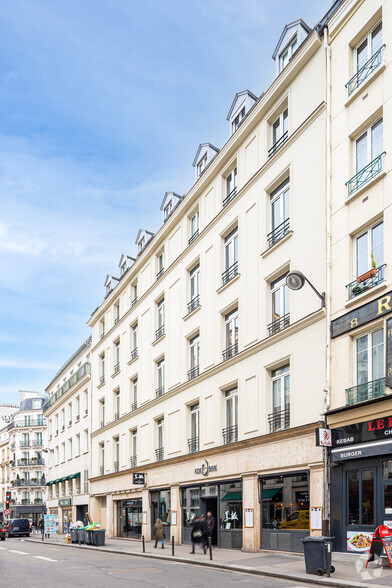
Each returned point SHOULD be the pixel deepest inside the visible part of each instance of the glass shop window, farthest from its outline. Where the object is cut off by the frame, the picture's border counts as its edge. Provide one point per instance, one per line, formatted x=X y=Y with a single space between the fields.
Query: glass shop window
x=190 y=505
x=360 y=488
x=230 y=515
x=285 y=502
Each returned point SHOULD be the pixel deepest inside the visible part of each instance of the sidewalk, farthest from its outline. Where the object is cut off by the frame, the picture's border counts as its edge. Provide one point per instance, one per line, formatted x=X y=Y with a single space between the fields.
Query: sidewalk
x=350 y=568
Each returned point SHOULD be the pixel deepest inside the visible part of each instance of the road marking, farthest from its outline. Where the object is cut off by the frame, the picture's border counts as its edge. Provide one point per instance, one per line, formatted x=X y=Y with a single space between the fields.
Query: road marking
x=20 y=552
x=3 y=548
x=44 y=558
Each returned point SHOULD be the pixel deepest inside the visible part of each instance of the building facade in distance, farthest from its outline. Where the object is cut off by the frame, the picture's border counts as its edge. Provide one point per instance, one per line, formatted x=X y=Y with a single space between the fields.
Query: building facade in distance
x=67 y=413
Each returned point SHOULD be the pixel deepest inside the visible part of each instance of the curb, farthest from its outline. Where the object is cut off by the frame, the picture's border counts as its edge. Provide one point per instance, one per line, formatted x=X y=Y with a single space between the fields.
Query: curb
x=308 y=579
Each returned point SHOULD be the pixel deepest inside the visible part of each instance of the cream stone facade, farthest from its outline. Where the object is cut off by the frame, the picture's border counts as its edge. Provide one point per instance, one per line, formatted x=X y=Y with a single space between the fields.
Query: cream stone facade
x=67 y=413
x=360 y=108
x=4 y=467
x=208 y=373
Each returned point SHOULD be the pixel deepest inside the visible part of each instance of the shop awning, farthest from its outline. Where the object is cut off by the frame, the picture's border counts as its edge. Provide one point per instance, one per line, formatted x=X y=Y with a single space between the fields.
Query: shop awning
x=362 y=450
x=270 y=492
x=232 y=496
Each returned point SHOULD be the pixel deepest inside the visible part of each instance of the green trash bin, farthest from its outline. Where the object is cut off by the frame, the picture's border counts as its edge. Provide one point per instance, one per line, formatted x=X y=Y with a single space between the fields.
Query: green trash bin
x=315 y=555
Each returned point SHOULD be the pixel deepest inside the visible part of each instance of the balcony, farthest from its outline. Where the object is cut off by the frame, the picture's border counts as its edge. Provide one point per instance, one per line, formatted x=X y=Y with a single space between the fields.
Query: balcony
x=356 y=288
x=133 y=461
x=134 y=301
x=279 y=420
x=160 y=273
x=278 y=144
x=364 y=392
x=230 y=197
x=159 y=332
x=116 y=320
x=116 y=368
x=102 y=423
x=25 y=444
x=279 y=324
x=27 y=483
x=194 y=303
x=159 y=391
x=159 y=453
x=63 y=427
x=193 y=373
x=193 y=237
x=30 y=462
x=362 y=74
x=365 y=175
x=193 y=444
x=116 y=416
x=133 y=406
x=77 y=418
x=70 y=423
x=85 y=411
x=230 y=352
x=134 y=353
x=80 y=373
x=102 y=470
x=26 y=424
x=278 y=233
x=101 y=380
x=230 y=435
x=230 y=273
x=116 y=466
x=102 y=334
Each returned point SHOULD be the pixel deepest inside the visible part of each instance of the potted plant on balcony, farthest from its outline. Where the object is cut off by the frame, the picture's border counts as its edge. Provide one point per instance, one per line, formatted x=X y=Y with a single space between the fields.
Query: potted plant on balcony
x=33 y=459
x=34 y=480
x=23 y=459
x=370 y=273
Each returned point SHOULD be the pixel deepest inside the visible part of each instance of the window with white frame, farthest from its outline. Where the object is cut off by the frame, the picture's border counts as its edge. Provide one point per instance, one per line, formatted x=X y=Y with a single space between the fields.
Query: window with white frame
x=231 y=186
x=194 y=226
x=160 y=378
x=77 y=444
x=368 y=146
x=367 y=56
x=201 y=165
x=102 y=456
x=102 y=411
x=160 y=433
x=230 y=433
x=141 y=244
x=280 y=305
x=134 y=341
x=134 y=383
x=160 y=264
x=85 y=396
x=134 y=293
x=369 y=246
x=117 y=404
x=116 y=312
x=193 y=442
x=102 y=368
x=194 y=286
x=134 y=448
x=167 y=210
x=231 y=256
x=369 y=359
x=280 y=381
x=86 y=440
x=236 y=122
x=280 y=213
x=102 y=327
x=117 y=357
x=160 y=319
x=63 y=419
x=287 y=53
x=77 y=401
x=70 y=447
x=194 y=349
x=280 y=129
x=116 y=454
x=70 y=413
x=63 y=451
x=231 y=334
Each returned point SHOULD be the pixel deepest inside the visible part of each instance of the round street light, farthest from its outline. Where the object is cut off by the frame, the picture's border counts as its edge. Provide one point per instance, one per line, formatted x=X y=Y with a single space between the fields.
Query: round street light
x=295 y=280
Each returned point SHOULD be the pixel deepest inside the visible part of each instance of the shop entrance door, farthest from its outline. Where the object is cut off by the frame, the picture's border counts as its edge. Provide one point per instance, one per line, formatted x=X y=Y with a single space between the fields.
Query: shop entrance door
x=130 y=519
x=210 y=505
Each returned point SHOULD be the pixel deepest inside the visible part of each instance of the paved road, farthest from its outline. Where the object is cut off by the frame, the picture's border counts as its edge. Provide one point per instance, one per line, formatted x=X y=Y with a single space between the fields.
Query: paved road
x=32 y=565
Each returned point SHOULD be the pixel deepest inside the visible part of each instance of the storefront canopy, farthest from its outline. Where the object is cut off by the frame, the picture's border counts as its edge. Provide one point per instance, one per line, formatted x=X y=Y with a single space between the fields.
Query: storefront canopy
x=363 y=450
x=232 y=496
x=270 y=492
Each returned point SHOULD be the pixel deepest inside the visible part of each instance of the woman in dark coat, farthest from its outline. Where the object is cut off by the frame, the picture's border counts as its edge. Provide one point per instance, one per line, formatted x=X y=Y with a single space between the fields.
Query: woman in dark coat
x=197 y=535
x=158 y=533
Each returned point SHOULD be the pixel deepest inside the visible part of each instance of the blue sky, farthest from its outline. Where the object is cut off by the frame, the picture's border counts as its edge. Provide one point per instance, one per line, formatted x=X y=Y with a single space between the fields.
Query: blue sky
x=103 y=105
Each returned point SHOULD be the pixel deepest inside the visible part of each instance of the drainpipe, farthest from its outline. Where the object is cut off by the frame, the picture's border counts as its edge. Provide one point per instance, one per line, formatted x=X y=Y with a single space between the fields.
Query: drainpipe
x=327 y=389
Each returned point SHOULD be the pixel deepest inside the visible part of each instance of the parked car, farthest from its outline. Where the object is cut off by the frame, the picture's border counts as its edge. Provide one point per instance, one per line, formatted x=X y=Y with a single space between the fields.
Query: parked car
x=2 y=533
x=19 y=527
x=299 y=519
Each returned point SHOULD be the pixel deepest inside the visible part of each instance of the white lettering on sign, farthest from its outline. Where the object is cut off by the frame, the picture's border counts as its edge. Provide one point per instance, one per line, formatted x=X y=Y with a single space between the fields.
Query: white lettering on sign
x=206 y=469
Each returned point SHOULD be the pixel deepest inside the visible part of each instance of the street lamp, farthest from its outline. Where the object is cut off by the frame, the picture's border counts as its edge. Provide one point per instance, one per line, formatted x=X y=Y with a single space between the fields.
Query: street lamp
x=295 y=280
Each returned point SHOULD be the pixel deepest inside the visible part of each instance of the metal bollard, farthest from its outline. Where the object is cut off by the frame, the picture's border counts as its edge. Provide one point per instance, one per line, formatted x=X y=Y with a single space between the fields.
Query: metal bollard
x=172 y=544
x=210 y=546
x=143 y=544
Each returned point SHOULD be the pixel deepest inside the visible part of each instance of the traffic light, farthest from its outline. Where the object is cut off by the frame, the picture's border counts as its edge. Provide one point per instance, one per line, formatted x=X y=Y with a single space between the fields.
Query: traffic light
x=7 y=499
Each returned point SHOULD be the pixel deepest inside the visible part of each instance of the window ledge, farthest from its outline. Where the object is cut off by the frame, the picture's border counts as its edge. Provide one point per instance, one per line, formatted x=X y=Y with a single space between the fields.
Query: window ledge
x=219 y=290
x=275 y=245
x=101 y=385
x=366 y=294
x=133 y=359
x=158 y=340
x=115 y=374
x=365 y=84
x=186 y=317
x=365 y=187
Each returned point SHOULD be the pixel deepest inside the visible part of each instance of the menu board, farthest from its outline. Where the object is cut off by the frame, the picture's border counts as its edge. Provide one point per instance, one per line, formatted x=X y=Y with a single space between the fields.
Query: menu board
x=50 y=521
x=316 y=518
x=382 y=539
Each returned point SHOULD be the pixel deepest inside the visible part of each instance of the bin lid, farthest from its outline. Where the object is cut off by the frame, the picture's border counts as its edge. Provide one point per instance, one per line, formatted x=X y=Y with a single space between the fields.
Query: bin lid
x=317 y=538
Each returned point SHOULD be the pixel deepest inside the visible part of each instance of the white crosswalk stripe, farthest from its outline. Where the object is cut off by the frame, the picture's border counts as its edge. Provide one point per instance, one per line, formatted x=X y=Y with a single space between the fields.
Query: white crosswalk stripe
x=3 y=548
x=44 y=558
x=20 y=552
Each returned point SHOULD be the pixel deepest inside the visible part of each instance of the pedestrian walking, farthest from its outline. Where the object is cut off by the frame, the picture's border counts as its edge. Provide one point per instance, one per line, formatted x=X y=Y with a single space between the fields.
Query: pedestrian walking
x=203 y=521
x=159 y=533
x=197 y=535
x=210 y=526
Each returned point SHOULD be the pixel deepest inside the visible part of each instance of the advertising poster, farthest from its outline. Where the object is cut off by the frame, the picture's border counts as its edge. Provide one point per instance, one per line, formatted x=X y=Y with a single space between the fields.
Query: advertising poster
x=50 y=523
x=359 y=541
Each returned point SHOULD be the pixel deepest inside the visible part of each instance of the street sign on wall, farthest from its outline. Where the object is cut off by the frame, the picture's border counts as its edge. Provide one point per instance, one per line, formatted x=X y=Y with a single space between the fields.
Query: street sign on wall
x=362 y=315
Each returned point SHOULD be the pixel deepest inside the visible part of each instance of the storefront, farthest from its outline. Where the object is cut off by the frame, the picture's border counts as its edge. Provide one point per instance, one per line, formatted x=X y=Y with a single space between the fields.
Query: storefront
x=129 y=518
x=160 y=509
x=361 y=482
x=224 y=501
x=66 y=513
x=284 y=511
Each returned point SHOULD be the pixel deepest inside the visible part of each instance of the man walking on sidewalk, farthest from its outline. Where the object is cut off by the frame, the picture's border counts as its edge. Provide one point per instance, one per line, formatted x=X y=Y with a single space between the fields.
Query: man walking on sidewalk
x=210 y=526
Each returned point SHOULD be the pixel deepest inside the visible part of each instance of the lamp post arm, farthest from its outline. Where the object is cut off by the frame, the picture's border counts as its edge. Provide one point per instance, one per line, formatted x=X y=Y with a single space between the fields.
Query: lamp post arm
x=321 y=296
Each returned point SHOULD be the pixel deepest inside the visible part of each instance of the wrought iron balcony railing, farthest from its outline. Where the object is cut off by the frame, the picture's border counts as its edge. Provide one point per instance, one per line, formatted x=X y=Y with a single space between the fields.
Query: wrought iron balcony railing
x=86 y=411
x=82 y=371
x=193 y=373
x=279 y=420
x=159 y=453
x=25 y=444
x=77 y=418
x=134 y=353
x=116 y=466
x=101 y=380
x=159 y=391
x=230 y=435
x=160 y=273
x=116 y=416
x=159 y=332
x=133 y=461
x=230 y=273
x=31 y=462
x=70 y=423
x=193 y=237
x=116 y=368
x=230 y=352
x=37 y=443
x=367 y=391
x=133 y=406
x=365 y=175
x=372 y=64
x=278 y=144
x=27 y=483
x=26 y=424
x=278 y=232
x=356 y=288
x=102 y=423
x=102 y=470
x=194 y=303
x=193 y=444
x=116 y=320
x=134 y=301
x=279 y=324
x=230 y=197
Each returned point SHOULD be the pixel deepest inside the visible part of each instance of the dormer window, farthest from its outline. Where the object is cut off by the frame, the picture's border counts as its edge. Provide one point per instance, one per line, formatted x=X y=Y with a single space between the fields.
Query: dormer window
x=202 y=165
x=286 y=54
x=236 y=122
x=141 y=244
x=110 y=283
x=169 y=203
x=167 y=210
